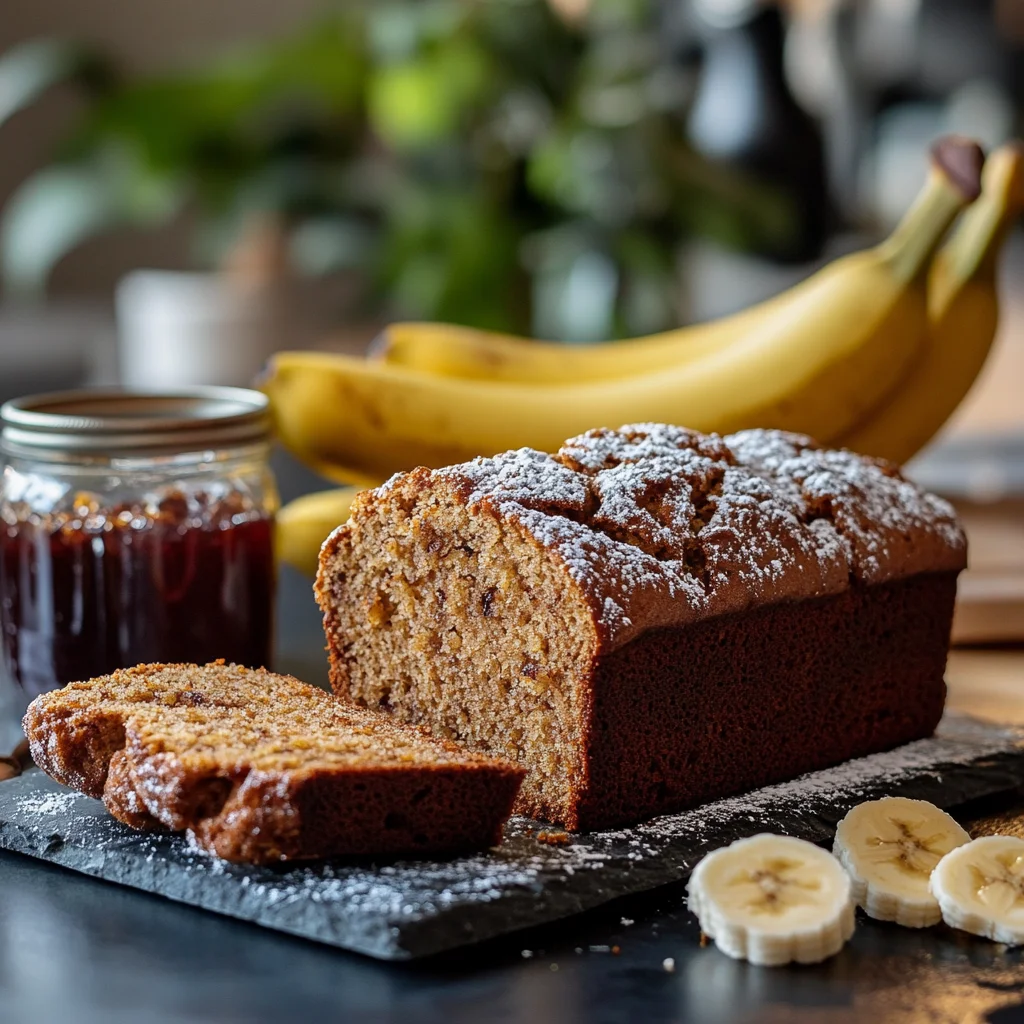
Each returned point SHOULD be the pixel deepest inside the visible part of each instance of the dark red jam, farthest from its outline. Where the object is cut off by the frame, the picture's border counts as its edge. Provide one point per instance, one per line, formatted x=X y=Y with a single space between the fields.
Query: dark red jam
x=187 y=579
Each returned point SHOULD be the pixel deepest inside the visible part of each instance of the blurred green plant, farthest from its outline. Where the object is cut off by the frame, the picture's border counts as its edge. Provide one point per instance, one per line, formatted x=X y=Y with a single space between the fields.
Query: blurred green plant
x=487 y=162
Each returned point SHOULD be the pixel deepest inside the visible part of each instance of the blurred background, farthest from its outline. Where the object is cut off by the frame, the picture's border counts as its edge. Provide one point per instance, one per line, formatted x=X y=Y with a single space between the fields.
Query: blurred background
x=223 y=180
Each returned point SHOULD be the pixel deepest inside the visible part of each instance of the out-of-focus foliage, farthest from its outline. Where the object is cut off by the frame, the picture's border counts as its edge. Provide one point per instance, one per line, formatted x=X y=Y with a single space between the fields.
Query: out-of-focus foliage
x=483 y=162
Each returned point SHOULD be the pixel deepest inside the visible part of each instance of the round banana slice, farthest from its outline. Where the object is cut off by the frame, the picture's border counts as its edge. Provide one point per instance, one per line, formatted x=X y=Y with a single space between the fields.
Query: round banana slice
x=889 y=848
x=773 y=899
x=980 y=888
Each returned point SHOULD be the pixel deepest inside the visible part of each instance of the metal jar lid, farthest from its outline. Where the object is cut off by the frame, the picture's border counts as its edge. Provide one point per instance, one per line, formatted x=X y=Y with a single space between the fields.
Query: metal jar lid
x=111 y=422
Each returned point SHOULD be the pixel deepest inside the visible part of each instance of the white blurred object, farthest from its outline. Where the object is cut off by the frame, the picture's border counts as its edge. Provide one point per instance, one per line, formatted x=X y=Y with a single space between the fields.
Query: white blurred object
x=891 y=173
x=812 y=57
x=887 y=38
x=55 y=347
x=717 y=282
x=982 y=109
x=724 y=13
x=179 y=329
x=822 y=70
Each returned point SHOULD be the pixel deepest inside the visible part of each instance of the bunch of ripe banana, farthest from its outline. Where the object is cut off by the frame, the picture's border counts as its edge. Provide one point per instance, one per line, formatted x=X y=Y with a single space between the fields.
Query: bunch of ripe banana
x=873 y=353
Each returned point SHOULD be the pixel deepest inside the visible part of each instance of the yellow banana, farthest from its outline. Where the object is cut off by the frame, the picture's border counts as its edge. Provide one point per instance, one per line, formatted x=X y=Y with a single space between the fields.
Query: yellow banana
x=454 y=351
x=305 y=523
x=819 y=369
x=962 y=312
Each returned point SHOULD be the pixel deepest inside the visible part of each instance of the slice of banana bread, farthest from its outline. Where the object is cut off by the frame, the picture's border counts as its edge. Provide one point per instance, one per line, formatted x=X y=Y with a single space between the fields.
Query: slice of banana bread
x=260 y=767
x=650 y=618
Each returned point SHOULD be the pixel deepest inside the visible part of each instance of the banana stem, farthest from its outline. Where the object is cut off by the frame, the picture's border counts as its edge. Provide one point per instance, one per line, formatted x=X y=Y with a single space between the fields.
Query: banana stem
x=912 y=244
x=973 y=251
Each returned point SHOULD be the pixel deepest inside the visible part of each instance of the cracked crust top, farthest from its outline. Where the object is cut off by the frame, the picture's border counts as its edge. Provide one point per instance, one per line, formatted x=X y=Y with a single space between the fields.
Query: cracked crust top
x=662 y=526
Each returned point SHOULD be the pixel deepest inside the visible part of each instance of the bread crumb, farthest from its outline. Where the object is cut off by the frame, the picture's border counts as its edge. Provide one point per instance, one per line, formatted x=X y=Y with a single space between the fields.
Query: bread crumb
x=553 y=838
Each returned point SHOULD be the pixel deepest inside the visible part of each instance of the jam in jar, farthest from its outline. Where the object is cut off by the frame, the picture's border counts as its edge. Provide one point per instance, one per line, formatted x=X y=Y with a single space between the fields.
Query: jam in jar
x=133 y=528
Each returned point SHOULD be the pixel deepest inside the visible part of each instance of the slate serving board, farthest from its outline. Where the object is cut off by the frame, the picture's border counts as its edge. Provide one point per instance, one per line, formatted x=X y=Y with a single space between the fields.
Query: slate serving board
x=402 y=910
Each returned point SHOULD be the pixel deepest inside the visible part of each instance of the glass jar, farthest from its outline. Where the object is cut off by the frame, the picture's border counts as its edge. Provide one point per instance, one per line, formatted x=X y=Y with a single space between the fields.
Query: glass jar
x=133 y=528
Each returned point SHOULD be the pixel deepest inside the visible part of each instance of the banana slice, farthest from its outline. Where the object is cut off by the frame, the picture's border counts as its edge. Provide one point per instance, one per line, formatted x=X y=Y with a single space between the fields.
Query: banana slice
x=889 y=848
x=980 y=888
x=773 y=899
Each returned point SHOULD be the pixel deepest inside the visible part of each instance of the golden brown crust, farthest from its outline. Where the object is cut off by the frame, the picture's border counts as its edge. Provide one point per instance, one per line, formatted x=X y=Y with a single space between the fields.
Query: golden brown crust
x=657 y=525
x=260 y=767
x=507 y=601
x=123 y=800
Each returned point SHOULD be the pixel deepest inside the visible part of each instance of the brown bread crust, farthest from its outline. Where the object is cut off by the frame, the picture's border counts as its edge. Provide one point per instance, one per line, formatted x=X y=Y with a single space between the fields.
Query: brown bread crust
x=260 y=767
x=683 y=716
x=676 y=616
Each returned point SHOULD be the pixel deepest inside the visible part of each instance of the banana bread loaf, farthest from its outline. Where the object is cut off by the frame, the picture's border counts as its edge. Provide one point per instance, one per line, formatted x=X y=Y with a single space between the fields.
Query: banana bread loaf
x=260 y=767
x=650 y=618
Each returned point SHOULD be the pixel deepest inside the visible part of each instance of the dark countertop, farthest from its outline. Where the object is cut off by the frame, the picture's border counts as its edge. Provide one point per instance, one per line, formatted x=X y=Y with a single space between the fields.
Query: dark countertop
x=76 y=949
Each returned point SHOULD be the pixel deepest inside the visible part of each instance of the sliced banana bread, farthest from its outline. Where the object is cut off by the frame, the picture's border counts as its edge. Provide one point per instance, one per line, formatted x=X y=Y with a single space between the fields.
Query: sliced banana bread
x=650 y=618
x=260 y=767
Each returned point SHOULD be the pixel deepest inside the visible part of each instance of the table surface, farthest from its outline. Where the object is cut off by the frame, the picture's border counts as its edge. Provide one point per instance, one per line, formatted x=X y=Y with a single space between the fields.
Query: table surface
x=76 y=949
x=73 y=948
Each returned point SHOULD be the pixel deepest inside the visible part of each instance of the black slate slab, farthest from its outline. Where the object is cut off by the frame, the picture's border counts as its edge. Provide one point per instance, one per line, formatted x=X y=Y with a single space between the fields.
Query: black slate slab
x=414 y=908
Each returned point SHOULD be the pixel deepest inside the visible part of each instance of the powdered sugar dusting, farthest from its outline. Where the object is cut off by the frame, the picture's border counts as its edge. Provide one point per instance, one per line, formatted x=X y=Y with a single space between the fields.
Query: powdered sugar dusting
x=524 y=477
x=663 y=526
x=889 y=525
x=414 y=907
x=623 y=578
x=48 y=804
x=849 y=782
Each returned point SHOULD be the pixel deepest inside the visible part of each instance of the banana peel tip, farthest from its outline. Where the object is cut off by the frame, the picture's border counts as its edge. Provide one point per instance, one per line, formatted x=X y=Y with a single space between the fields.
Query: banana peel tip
x=960 y=159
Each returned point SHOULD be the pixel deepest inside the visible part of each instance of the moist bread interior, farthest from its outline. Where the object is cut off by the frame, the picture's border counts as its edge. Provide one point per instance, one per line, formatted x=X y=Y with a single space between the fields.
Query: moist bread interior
x=456 y=622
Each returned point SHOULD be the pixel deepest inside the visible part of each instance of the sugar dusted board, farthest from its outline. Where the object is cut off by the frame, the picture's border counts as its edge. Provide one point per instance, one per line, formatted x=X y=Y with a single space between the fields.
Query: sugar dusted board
x=403 y=910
